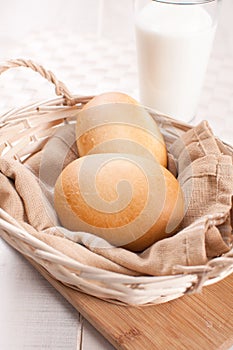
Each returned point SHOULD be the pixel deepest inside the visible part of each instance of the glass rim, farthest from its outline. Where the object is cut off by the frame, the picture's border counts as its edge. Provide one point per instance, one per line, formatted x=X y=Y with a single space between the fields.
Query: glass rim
x=185 y=2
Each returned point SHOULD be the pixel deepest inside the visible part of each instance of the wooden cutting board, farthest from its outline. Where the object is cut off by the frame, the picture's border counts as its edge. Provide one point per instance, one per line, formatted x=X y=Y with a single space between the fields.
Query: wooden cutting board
x=198 y=322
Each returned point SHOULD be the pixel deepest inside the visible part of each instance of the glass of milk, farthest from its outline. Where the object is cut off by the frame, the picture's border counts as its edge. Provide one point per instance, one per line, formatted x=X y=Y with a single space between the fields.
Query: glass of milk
x=174 y=40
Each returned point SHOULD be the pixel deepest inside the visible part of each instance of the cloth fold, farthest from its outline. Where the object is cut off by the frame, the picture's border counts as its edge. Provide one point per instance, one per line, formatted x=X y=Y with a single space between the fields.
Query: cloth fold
x=203 y=165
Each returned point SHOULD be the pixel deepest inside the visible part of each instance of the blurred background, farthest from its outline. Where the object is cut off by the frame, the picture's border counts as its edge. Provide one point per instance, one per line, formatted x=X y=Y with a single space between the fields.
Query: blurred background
x=108 y=18
x=90 y=46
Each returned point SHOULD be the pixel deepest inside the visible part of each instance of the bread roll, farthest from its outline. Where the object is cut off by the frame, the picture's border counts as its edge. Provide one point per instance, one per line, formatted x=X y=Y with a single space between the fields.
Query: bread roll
x=109 y=98
x=128 y=200
x=116 y=123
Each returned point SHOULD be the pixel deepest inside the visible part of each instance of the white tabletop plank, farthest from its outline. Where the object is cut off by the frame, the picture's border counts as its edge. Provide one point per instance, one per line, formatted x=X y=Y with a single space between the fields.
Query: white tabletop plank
x=33 y=315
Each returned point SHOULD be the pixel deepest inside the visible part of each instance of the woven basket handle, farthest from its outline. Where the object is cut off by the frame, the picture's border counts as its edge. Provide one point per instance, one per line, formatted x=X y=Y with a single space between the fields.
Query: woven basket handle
x=60 y=88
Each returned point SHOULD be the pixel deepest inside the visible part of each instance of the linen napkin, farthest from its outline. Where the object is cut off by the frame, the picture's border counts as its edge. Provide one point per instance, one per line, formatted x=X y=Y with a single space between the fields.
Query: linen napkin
x=203 y=166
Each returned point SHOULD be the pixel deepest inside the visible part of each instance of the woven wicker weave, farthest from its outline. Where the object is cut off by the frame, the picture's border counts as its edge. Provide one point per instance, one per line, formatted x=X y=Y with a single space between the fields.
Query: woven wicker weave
x=25 y=131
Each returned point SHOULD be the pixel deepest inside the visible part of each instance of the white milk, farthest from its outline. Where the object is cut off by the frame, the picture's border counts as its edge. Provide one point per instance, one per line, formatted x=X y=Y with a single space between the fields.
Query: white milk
x=173 y=46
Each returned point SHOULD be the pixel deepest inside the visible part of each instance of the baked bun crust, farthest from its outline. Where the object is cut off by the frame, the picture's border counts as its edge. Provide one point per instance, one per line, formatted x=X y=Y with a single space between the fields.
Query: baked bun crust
x=128 y=200
x=116 y=123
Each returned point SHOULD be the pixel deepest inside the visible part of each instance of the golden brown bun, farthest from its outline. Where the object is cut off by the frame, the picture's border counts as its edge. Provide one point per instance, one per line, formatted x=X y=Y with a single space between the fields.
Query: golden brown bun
x=110 y=97
x=128 y=200
x=115 y=123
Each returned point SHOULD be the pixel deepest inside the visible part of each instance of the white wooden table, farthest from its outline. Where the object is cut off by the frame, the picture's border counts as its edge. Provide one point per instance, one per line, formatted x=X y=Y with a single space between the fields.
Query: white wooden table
x=61 y=36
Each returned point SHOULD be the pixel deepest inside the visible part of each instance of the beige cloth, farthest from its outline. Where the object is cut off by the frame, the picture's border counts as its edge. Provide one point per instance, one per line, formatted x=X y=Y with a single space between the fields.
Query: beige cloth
x=205 y=171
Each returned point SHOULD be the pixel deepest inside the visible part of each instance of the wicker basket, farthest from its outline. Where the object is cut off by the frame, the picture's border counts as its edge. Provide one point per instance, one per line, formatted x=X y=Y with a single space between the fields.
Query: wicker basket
x=25 y=131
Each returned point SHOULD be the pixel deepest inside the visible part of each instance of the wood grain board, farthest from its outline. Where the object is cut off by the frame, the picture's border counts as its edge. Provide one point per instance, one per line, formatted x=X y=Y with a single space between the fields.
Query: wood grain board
x=197 y=322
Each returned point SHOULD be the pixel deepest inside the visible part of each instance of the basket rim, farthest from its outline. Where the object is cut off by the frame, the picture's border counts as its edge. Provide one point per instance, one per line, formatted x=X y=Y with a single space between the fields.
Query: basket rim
x=21 y=233
x=193 y=277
